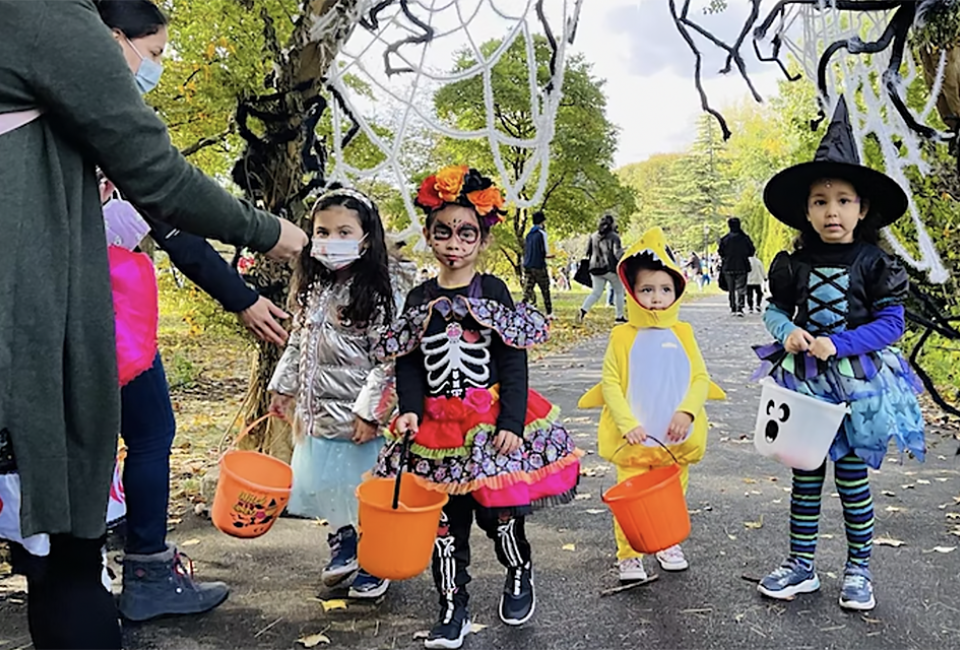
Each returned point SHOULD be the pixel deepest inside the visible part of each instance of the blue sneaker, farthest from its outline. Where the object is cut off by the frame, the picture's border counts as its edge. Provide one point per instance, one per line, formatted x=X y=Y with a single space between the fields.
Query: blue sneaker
x=368 y=586
x=788 y=580
x=857 y=590
x=343 y=557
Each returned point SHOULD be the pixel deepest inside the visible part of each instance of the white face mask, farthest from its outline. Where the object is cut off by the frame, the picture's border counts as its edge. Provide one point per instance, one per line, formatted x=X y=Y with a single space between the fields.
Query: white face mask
x=336 y=254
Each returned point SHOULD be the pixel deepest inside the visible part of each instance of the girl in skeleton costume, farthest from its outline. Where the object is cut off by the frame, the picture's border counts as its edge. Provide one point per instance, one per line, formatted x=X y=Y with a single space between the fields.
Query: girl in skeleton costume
x=343 y=394
x=836 y=311
x=479 y=433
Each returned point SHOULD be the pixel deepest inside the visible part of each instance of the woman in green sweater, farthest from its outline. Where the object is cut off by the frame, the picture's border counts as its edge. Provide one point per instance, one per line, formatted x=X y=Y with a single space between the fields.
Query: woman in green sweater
x=68 y=103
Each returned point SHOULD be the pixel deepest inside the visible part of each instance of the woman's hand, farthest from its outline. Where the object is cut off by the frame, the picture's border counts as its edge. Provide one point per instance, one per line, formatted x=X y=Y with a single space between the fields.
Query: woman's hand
x=679 y=425
x=507 y=442
x=799 y=340
x=291 y=242
x=822 y=348
x=260 y=317
x=636 y=436
x=280 y=405
x=364 y=431
x=407 y=424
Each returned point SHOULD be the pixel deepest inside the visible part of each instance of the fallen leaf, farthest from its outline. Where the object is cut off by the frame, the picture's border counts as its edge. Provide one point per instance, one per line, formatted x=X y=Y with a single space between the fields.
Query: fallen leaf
x=888 y=493
x=922 y=481
x=910 y=473
x=953 y=515
x=190 y=542
x=330 y=605
x=173 y=521
x=422 y=634
x=893 y=509
x=873 y=621
x=569 y=547
x=831 y=575
x=749 y=481
x=754 y=524
x=314 y=640
x=942 y=549
x=693 y=512
x=583 y=497
x=595 y=511
x=826 y=536
x=477 y=627
x=755 y=492
x=778 y=500
x=888 y=541
x=908 y=486
x=835 y=495
x=942 y=479
x=321 y=522
x=941 y=457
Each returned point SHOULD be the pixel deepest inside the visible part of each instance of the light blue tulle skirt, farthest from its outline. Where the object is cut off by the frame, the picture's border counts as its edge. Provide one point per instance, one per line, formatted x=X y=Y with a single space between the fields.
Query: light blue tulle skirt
x=326 y=474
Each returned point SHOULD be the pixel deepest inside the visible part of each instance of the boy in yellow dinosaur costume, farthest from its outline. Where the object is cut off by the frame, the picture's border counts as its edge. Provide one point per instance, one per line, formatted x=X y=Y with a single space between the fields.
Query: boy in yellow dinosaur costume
x=654 y=385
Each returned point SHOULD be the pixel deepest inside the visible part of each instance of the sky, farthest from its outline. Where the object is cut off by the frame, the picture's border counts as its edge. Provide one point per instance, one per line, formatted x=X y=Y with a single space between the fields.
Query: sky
x=635 y=46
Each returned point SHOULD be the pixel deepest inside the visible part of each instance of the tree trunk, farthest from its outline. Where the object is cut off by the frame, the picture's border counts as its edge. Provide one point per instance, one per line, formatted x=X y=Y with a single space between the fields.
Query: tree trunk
x=948 y=102
x=272 y=173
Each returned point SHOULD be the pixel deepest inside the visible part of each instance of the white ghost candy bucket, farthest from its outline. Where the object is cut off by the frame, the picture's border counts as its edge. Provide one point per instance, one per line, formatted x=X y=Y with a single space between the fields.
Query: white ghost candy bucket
x=795 y=429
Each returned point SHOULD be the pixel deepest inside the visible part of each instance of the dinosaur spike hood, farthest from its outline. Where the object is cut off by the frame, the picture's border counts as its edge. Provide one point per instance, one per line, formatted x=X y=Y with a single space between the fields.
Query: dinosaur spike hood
x=652 y=368
x=652 y=246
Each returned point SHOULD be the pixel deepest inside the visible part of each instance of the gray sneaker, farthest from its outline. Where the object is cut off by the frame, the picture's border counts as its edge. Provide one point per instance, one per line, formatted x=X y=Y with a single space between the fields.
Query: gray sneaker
x=162 y=584
x=857 y=590
x=788 y=580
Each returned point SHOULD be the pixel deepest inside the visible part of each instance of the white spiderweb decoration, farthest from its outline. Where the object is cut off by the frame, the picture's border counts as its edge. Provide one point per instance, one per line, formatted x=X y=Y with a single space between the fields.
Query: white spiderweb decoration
x=806 y=31
x=403 y=79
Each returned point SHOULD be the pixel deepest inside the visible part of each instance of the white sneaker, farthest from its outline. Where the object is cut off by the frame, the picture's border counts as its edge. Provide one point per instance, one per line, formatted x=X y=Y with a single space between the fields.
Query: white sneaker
x=672 y=559
x=631 y=570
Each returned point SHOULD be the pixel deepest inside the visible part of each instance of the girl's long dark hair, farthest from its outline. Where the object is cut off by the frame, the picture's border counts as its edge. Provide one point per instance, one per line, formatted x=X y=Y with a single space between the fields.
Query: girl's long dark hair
x=371 y=289
x=135 y=18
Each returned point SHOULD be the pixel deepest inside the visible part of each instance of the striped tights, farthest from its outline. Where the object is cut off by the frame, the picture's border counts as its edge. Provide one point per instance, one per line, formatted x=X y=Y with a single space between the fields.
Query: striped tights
x=853 y=484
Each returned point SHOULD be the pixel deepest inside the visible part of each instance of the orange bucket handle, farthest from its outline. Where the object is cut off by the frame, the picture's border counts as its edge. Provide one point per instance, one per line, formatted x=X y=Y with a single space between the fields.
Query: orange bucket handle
x=246 y=431
x=666 y=448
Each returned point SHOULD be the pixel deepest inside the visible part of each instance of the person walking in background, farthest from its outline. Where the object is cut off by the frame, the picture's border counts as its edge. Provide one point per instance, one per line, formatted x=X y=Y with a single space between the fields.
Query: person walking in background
x=735 y=251
x=604 y=251
x=536 y=252
x=755 y=281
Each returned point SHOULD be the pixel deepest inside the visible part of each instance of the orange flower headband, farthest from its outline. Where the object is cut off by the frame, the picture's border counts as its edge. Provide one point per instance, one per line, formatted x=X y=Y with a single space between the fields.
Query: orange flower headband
x=461 y=185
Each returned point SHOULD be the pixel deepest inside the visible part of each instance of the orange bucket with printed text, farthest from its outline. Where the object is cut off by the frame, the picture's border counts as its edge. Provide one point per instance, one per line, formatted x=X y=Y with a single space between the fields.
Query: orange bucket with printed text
x=651 y=508
x=252 y=491
x=398 y=521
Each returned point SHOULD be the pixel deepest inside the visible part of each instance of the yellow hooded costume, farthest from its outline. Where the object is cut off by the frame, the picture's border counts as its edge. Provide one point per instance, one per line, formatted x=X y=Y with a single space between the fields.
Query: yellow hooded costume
x=652 y=369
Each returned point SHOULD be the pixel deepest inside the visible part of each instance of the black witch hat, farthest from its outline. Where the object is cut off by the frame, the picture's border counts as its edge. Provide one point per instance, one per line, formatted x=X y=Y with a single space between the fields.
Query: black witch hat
x=786 y=194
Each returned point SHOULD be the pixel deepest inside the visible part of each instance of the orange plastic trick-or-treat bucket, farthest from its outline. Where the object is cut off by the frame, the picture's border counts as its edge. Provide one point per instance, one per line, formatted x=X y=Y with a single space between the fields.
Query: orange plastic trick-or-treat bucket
x=252 y=491
x=398 y=522
x=651 y=509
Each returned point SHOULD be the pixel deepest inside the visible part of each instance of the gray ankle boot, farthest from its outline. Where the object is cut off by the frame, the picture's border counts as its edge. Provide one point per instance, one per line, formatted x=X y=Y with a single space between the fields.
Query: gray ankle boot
x=161 y=585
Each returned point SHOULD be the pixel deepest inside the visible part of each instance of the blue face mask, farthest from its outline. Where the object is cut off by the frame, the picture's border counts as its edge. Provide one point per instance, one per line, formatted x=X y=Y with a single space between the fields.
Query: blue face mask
x=148 y=74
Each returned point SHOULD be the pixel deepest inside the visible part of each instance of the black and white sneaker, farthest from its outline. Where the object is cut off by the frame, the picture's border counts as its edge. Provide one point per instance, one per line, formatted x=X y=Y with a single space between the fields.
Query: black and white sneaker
x=451 y=629
x=518 y=600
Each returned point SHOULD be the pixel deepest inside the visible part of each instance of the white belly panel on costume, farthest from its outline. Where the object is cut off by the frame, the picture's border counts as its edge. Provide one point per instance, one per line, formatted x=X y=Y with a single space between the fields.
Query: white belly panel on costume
x=659 y=380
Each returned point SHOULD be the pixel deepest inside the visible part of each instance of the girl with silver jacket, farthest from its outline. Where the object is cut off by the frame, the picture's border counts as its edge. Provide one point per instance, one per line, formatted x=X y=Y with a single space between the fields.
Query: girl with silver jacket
x=343 y=395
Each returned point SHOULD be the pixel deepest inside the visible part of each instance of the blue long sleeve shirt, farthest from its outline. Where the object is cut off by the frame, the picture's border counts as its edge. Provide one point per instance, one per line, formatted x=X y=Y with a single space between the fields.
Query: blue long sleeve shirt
x=200 y=262
x=886 y=328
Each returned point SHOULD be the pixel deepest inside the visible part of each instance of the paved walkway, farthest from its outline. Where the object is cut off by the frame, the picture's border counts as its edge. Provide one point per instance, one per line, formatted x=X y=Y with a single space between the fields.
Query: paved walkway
x=738 y=502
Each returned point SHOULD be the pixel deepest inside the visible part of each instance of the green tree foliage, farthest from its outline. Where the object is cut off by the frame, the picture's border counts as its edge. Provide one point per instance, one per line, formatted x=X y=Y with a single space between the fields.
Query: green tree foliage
x=581 y=185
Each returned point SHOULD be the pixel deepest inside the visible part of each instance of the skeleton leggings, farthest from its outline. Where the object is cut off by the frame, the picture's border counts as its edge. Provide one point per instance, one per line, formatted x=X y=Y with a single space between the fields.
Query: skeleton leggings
x=451 y=551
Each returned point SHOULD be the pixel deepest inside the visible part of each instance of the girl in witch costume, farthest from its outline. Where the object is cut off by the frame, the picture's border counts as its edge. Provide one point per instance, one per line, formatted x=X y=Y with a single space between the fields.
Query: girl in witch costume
x=836 y=310
x=478 y=432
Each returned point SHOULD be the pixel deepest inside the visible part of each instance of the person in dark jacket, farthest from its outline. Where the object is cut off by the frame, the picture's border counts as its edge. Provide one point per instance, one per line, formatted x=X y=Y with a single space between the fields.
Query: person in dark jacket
x=604 y=251
x=736 y=249
x=536 y=252
x=66 y=108
x=153 y=583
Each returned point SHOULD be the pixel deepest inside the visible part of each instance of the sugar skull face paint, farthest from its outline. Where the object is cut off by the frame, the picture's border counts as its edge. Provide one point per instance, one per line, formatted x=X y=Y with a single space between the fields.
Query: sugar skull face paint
x=455 y=236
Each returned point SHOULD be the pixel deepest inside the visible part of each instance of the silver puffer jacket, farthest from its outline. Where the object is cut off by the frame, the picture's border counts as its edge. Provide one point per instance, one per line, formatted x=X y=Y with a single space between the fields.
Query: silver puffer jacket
x=328 y=368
